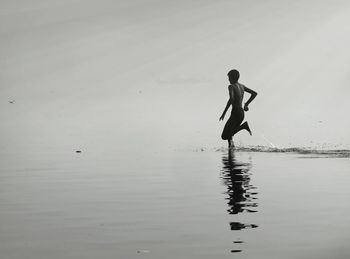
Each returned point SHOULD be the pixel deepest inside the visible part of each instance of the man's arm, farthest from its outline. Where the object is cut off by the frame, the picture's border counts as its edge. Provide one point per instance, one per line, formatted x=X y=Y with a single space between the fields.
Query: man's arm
x=226 y=108
x=229 y=102
x=253 y=94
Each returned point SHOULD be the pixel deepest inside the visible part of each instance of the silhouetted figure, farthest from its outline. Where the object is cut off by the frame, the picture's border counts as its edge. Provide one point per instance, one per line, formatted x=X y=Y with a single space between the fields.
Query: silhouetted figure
x=236 y=91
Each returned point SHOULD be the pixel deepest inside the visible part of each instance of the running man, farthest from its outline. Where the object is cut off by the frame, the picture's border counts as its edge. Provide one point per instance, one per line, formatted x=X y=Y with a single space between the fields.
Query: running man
x=233 y=124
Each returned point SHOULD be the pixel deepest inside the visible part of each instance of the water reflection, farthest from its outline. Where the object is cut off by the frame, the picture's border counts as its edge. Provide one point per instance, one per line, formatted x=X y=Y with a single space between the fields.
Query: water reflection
x=242 y=196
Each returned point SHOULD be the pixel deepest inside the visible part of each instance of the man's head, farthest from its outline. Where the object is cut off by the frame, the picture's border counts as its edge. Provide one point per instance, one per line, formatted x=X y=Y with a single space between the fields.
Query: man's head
x=233 y=76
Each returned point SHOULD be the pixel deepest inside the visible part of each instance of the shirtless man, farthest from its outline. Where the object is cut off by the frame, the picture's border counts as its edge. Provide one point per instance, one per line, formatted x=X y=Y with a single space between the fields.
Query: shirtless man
x=236 y=91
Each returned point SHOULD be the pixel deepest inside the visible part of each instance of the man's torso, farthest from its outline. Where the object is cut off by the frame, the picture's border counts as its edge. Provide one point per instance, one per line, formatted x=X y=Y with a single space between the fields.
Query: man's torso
x=238 y=93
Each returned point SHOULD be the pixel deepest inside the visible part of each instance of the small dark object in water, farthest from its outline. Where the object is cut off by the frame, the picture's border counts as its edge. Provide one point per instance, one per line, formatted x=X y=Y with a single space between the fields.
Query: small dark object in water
x=142 y=251
x=78 y=151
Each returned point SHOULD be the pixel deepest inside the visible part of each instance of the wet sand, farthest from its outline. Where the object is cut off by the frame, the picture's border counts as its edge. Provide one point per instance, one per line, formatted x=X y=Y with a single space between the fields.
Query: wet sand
x=175 y=204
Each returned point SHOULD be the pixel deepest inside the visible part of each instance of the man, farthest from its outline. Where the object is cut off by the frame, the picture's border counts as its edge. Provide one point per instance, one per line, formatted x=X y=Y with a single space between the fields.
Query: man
x=236 y=91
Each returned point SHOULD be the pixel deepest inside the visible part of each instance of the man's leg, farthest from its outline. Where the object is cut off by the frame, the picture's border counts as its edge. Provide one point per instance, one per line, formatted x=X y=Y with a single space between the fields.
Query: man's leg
x=244 y=126
x=230 y=143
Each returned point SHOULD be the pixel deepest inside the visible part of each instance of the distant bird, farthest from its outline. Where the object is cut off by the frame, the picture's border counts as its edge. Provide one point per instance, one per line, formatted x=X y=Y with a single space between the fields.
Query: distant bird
x=12 y=102
x=78 y=151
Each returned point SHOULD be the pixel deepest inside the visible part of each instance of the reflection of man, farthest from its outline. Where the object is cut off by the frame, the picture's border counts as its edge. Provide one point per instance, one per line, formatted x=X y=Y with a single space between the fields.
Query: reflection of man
x=237 y=179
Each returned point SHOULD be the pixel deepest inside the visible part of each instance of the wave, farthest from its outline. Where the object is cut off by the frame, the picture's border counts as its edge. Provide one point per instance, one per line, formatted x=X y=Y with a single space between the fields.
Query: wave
x=297 y=150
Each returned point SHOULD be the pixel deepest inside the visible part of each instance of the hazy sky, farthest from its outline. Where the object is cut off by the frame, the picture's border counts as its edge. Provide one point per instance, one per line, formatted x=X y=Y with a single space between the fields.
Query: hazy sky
x=132 y=74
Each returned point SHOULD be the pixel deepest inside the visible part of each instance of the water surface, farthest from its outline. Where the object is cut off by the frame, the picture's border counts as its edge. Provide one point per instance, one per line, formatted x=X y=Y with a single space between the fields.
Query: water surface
x=175 y=204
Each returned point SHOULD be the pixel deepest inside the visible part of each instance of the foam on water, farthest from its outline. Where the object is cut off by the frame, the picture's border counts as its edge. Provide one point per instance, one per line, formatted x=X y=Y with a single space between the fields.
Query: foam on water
x=298 y=150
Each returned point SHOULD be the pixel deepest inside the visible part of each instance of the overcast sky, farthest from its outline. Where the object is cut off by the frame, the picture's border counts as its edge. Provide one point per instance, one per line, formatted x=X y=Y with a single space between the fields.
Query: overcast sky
x=145 y=73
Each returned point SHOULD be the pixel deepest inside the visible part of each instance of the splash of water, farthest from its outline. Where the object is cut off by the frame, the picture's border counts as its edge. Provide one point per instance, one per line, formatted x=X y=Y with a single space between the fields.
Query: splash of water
x=298 y=150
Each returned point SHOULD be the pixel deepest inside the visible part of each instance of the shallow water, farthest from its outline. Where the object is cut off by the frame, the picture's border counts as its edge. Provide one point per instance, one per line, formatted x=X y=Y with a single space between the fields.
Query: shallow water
x=175 y=204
